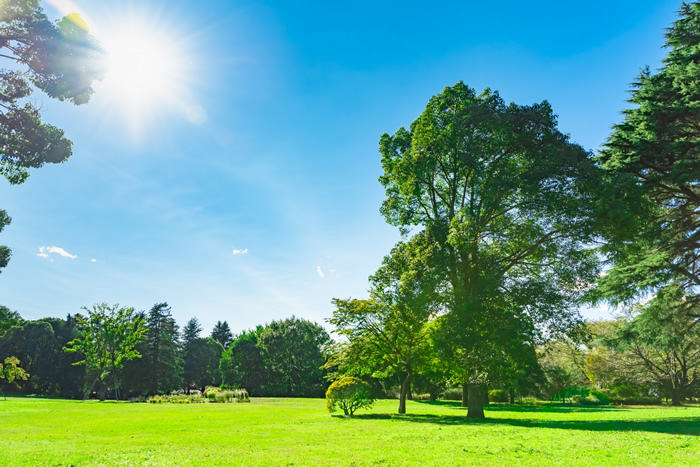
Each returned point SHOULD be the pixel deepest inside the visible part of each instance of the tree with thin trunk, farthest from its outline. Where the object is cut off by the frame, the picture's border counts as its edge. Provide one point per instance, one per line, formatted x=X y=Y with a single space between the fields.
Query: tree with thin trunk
x=389 y=331
x=508 y=202
x=664 y=344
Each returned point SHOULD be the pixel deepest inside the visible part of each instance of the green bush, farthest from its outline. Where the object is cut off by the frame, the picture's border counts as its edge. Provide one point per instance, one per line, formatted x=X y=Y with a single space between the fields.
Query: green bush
x=623 y=392
x=349 y=394
x=499 y=395
x=601 y=396
x=452 y=394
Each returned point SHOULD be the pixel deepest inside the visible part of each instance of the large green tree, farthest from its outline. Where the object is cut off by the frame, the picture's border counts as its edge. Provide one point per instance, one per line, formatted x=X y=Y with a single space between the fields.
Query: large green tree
x=108 y=339
x=292 y=351
x=507 y=199
x=655 y=151
x=60 y=59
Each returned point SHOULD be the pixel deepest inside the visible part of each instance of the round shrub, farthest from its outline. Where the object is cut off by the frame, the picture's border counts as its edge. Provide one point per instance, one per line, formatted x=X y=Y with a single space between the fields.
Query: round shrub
x=349 y=394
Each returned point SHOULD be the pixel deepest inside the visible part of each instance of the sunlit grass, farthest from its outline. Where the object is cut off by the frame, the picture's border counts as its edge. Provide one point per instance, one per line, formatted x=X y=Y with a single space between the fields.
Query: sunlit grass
x=301 y=432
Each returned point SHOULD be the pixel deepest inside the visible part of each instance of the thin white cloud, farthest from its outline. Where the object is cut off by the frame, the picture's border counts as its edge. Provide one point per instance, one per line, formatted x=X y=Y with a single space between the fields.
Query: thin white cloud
x=332 y=271
x=93 y=260
x=240 y=252
x=44 y=252
x=320 y=272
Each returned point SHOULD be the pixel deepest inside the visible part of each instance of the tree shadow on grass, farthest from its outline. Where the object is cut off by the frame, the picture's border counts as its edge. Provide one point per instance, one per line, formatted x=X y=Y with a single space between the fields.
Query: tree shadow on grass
x=679 y=426
x=545 y=407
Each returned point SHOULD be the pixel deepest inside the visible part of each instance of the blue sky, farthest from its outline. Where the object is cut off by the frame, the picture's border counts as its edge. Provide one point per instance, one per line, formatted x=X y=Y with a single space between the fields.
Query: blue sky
x=264 y=142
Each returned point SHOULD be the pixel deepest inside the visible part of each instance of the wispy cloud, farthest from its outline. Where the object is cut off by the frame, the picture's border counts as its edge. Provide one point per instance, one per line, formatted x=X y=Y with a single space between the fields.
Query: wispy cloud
x=240 y=252
x=44 y=252
x=93 y=260
x=320 y=272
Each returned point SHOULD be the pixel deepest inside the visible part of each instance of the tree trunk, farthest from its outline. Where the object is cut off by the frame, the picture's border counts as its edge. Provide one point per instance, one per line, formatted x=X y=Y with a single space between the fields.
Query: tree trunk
x=512 y=396
x=676 y=396
x=103 y=391
x=405 y=390
x=465 y=392
x=475 y=402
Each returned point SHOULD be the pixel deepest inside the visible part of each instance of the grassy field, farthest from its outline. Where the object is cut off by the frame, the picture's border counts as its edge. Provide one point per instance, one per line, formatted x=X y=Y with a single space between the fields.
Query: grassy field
x=300 y=432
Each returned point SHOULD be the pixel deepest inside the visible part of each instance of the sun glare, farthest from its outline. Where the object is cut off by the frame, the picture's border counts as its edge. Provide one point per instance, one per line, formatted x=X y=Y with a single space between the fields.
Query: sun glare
x=142 y=68
x=147 y=74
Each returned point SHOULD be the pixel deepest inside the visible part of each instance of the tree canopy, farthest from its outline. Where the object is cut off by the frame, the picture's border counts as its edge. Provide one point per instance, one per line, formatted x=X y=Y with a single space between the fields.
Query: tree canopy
x=509 y=202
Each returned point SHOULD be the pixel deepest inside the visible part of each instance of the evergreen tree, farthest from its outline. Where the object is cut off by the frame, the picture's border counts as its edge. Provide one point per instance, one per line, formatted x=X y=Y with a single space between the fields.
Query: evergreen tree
x=191 y=331
x=162 y=359
x=655 y=149
x=222 y=334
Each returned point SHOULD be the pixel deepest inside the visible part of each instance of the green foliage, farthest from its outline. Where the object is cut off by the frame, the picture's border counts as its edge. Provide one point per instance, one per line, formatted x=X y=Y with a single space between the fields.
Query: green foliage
x=61 y=59
x=8 y=318
x=242 y=363
x=191 y=331
x=499 y=395
x=39 y=346
x=11 y=370
x=508 y=202
x=388 y=333
x=665 y=345
x=222 y=334
x=654 y=150
x=201 y=366
x=161 y=356
x=108 y=339
x=451 y=394
x=623 y=392
x=348 y=394
x=291 y=350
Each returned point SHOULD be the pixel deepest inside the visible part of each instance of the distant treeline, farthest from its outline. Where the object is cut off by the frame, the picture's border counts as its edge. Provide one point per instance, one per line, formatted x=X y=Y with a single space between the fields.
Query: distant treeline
x=282 y=358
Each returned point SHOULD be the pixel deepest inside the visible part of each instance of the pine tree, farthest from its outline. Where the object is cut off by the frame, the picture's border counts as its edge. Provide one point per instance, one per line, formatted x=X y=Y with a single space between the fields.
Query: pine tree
x=657 y=148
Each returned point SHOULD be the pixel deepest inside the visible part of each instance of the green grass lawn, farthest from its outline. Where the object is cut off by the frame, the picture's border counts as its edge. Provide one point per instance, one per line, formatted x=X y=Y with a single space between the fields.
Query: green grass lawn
x=300 y=432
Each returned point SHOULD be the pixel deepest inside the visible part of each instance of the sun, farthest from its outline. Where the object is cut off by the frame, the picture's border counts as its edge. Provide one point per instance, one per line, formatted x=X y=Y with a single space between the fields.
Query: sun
x=142 y=67
x=147 y=72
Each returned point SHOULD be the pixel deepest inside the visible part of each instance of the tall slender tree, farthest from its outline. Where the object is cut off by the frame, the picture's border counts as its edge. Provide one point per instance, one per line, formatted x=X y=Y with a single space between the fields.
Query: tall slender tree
x=161 y=356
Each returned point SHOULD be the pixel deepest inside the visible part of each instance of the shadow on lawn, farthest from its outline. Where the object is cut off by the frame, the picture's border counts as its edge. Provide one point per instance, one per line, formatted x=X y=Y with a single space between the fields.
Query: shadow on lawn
x=682 y=426
x=547 y=407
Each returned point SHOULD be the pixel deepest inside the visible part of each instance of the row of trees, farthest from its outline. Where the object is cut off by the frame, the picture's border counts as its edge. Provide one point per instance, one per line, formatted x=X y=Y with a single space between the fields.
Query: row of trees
x=130 y=353
x=508 y=227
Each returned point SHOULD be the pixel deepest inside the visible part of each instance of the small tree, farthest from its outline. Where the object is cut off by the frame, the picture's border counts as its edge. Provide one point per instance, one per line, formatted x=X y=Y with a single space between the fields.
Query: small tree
x=349 y=394
x=12 y=371
x=108 y=339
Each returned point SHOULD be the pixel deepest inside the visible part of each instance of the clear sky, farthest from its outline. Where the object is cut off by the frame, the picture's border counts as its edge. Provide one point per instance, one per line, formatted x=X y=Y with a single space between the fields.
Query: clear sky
x=244 y=186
